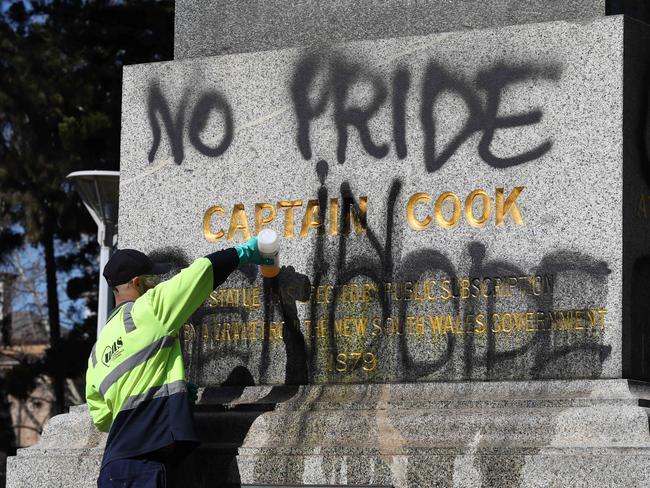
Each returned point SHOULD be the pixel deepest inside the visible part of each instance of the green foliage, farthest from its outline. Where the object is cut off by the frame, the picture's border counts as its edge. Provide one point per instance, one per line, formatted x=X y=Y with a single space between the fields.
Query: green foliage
x=60 y=107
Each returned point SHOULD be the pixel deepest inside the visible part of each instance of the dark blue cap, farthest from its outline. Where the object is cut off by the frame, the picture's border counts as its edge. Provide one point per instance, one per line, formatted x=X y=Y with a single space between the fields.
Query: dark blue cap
x=126 y=264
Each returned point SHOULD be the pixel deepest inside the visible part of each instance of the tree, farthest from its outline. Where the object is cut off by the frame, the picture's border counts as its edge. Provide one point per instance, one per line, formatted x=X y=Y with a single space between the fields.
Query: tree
x=60 y=103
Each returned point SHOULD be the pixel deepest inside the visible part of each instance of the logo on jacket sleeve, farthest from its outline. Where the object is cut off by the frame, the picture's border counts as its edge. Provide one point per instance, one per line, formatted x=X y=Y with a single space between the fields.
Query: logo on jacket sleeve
x=113 y=351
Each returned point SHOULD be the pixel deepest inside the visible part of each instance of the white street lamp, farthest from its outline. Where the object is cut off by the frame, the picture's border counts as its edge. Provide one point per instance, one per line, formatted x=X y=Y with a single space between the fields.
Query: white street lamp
x=99 y=191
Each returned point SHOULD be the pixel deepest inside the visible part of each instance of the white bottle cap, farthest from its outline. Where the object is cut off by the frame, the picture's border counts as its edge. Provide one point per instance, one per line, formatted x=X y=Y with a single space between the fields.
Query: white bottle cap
x=268 y=242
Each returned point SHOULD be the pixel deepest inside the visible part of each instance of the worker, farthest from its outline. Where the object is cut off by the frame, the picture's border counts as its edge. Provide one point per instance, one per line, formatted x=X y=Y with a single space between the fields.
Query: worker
x=135 y=382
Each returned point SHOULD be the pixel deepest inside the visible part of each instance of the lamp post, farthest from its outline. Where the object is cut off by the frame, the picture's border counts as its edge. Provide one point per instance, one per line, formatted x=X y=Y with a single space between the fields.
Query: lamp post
x=99 y=192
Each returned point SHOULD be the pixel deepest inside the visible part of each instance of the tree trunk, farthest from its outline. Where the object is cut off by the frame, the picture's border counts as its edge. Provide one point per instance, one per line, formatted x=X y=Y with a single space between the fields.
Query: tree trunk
x=53 y=317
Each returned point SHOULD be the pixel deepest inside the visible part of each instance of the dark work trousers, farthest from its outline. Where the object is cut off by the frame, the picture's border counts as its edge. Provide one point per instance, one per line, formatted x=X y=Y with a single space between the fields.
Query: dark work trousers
x=133 y=473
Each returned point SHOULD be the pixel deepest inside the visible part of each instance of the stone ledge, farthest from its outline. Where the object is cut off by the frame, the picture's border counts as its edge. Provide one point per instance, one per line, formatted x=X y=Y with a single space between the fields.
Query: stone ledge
x=438 y=394
x=212 y=27
x=470 y=468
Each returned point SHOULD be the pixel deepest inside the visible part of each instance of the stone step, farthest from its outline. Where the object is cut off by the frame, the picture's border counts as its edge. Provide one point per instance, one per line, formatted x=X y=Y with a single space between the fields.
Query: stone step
x=466 y=468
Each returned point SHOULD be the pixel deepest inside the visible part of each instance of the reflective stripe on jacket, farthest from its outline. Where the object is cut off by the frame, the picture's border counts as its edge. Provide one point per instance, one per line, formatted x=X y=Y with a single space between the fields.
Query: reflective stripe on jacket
x=135 y=382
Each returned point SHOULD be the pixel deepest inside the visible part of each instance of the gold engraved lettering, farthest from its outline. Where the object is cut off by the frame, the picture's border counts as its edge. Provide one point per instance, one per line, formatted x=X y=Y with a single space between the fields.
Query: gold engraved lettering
x=480 y=321
x=518 y=319
x=341 y=362
x=412 y=220
x=444 y=284
x=189 y=334
x=530 y=319
x=360 y=325
x=230 y=298
x=275 y=330
x=376 y=326
x=593 y=317
x=602 y=318
x=321 y=328
x=548 y=281
x=355 y=357
x=353 y=293
x=419 y=325
x=455 y=216
x=476 y=288
x=205 y=333
x=349 y=362
x=510 y=205
x=408 y=290
x=469 y=208
x=252 y=330
x=431 y=290
x=334 y=216
x=436 y=324
x=394 y=326
x=532 y=280
x=486 y=287
x=311 y=220
x=238 y=222
x=308 y=332
x=260 y=219
x=341 y=327
x=578 y=325
x=464 y=288
x=449 y=324
x=369 y=362
x=540 y=318
x=207 y=224
x=359 y=218
x=217 y=333
x=246 y=297
x=368 y=293
x=288 y=207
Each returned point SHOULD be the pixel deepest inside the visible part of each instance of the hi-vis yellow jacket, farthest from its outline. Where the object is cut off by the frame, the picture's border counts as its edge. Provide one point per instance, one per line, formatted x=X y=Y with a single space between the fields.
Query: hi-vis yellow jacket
x=135 y=382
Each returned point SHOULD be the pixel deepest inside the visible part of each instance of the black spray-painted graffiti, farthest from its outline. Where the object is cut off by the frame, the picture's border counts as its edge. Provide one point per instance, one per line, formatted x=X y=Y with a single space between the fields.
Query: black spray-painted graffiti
x=338 y=77
x=333 y=77
x=325 y=81
x=174 y=126
x=546 y=353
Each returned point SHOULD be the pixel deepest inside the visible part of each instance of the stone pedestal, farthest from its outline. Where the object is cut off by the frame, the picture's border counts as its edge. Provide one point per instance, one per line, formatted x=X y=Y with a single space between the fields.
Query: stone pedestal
x=578 y=433
x=505 y=434
x=69 y=454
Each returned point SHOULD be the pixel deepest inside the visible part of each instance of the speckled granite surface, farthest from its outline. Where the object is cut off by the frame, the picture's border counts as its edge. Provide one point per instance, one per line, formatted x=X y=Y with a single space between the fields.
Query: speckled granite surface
x=578 y=433
x=515 y=273
x=213 y=27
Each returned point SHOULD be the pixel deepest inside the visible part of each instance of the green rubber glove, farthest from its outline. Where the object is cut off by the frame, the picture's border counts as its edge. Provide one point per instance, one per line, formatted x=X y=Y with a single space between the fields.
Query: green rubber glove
x=192 y=392
x=249 y=254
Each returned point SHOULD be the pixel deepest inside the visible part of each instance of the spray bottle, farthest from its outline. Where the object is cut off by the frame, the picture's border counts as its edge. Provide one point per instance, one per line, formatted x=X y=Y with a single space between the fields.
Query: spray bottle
x=268 y=243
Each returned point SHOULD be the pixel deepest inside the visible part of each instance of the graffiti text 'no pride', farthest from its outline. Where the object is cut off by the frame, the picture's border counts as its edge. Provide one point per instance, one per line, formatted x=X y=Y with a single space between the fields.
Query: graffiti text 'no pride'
x=323 y=86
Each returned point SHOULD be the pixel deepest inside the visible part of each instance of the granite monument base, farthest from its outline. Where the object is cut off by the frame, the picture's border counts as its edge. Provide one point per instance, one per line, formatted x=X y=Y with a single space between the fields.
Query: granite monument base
x=69 y=454
x=578 y=433
x=504 y=434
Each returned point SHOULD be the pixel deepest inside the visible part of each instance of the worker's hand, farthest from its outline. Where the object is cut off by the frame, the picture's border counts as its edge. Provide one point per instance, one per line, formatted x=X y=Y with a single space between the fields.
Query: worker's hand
x=249 y=254
x=192 y=392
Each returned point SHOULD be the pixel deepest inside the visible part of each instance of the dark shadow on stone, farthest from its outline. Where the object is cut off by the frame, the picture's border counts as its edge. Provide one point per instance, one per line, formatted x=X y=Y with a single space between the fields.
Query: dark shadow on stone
x=221 y=423
x=640 y=318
